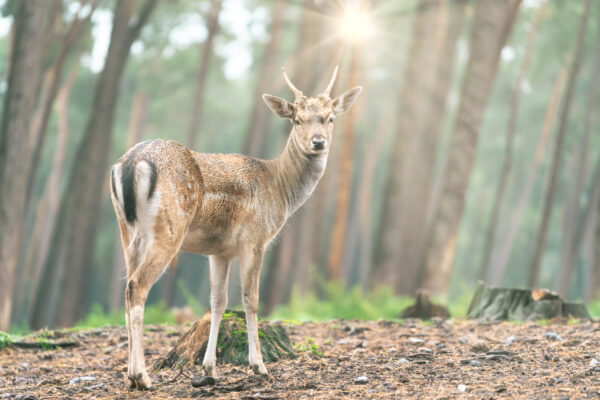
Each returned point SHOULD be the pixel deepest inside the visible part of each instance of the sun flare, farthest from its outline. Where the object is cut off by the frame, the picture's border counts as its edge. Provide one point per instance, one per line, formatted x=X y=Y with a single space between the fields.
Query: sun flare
x=356 y=24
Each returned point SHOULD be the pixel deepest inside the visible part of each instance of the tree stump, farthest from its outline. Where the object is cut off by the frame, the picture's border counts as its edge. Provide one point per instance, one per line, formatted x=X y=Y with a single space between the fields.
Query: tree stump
x=232 y=343
x=424 y=308
x=494 y=304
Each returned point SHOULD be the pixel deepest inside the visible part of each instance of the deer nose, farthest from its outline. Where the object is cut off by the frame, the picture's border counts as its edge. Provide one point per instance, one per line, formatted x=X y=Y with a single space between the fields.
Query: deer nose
x=318 y=142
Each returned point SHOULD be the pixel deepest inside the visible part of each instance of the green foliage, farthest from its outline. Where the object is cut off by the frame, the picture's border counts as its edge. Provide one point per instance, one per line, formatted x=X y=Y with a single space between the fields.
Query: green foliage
x=6 y=339
x=311 y=346
x=339 y=302
x=594 y=308
x=153 y=315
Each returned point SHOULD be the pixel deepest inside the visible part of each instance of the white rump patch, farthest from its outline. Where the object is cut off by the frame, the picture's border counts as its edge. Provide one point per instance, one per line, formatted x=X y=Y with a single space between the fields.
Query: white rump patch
x=118 y=184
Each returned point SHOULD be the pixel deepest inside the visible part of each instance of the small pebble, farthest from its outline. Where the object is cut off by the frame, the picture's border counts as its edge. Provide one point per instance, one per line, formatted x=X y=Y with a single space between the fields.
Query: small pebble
x=199 y=381
x=425 y=350
x=552 y=336
x=509 y=340
x=475 y=363
x=361 y=380
x=594 y=362
x=363 y=344
x=480 y=347
x=463 y=340
x=414 y=340
x=25 y=365
x=81 y=379
x=462 y=387
x=402 y=361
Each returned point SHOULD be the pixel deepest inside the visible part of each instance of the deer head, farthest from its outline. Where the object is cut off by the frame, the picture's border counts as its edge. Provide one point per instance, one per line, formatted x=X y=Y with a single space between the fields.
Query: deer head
x=312 y=117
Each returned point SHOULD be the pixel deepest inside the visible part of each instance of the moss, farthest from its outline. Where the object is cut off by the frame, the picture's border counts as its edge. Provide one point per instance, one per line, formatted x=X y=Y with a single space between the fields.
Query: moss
x=232 y=342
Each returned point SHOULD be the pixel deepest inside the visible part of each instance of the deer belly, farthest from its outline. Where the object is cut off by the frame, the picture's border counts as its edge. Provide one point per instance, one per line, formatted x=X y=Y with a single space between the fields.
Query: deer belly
x=200 y=241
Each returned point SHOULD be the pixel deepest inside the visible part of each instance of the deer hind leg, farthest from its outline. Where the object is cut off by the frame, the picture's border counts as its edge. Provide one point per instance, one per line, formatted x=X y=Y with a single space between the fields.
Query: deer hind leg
x=139 y=282
x=219 y=277
x=250 y=263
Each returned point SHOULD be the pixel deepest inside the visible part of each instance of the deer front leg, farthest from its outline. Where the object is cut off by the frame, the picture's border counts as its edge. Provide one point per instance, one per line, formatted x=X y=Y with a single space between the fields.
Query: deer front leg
x=251 y=261
x=219 y=276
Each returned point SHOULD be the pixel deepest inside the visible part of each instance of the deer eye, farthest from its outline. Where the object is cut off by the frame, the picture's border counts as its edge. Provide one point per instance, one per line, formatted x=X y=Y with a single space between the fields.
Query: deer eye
x=296 y=121
x=331 y=120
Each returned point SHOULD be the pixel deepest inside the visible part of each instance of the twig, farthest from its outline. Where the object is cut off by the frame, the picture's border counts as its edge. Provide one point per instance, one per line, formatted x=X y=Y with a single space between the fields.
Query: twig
x=178 y=375
x=44 y=345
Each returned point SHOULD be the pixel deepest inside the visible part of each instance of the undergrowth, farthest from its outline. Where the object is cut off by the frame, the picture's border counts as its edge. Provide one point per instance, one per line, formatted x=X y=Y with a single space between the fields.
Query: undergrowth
x=154 y=314
x=339 y=302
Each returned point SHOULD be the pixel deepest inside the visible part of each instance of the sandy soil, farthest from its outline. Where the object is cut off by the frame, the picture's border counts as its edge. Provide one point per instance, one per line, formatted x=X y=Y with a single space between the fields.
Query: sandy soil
x=378 y=359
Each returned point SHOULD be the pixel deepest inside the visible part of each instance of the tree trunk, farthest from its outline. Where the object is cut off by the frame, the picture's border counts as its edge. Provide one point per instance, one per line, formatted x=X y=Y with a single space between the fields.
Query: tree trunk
x=594 y=282
x=573 y=235
x=283 y=266
x=423 y=209
x=344 y=191
x=588 y=223
x=308 y=227
x=510 y=233
x=206 y=53
x=490 y=236
x=70 y=260
x=258 y=131
x=392 y=266
x=492 y=24
x=212 y=25
x=17 y=144
x=558 y=150
x=137 y=118
x=52 y=83
x=47 y=209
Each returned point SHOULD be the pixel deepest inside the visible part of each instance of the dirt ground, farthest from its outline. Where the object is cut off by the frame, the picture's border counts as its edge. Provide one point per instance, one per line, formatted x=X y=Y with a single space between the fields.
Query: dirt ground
x=378 y=359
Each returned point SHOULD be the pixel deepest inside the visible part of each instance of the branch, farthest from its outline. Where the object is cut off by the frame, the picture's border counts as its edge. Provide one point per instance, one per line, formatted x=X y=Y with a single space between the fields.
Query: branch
x=134 y=30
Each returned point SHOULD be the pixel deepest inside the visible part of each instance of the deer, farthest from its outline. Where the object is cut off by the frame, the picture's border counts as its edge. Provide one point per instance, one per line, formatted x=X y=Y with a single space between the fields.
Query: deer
x=170 y=199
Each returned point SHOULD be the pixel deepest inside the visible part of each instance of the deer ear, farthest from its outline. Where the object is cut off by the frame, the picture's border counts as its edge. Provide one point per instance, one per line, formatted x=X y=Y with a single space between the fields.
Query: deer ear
x=344 y=101
x=279 y=106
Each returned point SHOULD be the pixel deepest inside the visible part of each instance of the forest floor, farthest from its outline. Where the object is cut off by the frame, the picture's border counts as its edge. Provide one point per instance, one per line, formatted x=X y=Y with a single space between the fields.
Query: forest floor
x=411 y=359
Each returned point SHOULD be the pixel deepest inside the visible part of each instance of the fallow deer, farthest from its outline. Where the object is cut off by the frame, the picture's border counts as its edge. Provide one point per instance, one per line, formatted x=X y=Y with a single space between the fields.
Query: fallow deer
x=168 y=199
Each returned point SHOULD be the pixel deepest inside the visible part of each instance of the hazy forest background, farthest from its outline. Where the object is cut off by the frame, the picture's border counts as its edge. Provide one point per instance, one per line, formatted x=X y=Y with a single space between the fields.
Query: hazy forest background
x=472 y=153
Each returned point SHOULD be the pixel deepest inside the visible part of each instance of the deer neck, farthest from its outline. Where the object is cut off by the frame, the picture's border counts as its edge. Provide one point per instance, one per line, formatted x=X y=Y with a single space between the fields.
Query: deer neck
x=297 y=174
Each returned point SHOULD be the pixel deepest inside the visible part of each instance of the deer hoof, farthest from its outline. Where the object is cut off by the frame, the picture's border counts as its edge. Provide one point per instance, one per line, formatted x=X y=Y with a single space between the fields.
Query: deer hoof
x=259 y=369
x=210 y=370
x=140 y=381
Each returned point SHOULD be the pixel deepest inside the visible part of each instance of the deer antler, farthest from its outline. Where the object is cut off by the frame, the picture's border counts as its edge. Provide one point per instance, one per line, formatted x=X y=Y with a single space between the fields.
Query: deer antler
x=297 y=93
x=330 y=86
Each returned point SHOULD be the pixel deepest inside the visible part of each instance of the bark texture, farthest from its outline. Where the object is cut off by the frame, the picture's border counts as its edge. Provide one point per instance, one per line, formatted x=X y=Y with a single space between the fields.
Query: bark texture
x=573 y=234
x=344 y=190
x=17 y=144
x=391 y=264
x=206 y=51
x=70 y=260
x=515 y=99
x=497 y=304
x=47 y=209
x=509 y=234
x=492 y=24
x=258 y=131
x=536 y=263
